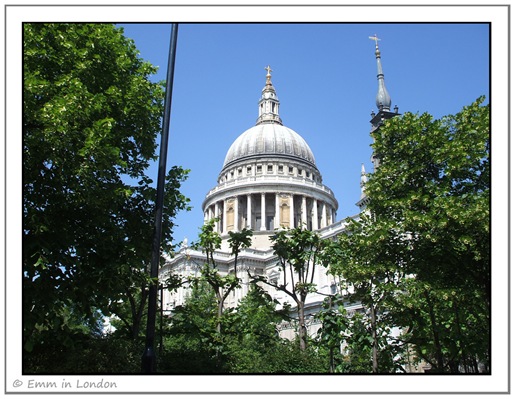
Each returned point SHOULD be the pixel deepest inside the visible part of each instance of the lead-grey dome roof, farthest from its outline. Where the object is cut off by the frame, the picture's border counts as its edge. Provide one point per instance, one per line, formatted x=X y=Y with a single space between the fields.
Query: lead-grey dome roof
x=269 y=139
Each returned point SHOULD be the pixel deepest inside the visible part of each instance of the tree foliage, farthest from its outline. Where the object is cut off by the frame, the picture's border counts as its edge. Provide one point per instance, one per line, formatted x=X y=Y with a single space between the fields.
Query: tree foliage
x=367 y=258
x=434 y=182
x=191 y=341
x=330 y=336
x=209 y=242
x=300 y=252
x=91 y=116
x=424 y=245
x=253 y=339
x=250 y=343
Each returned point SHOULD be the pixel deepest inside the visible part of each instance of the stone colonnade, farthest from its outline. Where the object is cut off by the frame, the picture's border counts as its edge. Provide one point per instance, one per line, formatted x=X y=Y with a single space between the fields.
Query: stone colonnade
x=269 y=211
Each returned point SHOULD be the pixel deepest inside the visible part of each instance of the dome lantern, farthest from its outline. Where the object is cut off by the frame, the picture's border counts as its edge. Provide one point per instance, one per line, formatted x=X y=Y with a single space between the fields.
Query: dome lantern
x=269 y=103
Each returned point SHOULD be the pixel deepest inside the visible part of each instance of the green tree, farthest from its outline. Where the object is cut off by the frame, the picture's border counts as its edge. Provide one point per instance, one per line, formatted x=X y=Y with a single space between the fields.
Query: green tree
x=209 y=242
x=300 y=252
x=330 y=336
x=253 y=344
x=89 y=355
x=250 y=342
x=430 y=226
x=91 y=116
x=446 y=326
x=191 y=341
x=253 y=339
x=256 y=318
x=434 y=184
x=367 y=259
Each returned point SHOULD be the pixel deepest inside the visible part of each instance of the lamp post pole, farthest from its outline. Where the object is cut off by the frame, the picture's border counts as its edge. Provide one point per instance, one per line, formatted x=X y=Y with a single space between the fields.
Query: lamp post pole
x=148 y=360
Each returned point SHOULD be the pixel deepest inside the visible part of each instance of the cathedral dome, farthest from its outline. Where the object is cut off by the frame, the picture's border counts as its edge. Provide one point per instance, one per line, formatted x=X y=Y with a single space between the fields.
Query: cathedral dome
x=269 y=180
x=269 y=139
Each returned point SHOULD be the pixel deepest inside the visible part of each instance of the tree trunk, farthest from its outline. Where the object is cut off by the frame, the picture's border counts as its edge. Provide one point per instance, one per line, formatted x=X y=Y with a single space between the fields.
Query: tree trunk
x=475 y=365
x=302 y=327
x=373 y=324
x=331 y=360
x=220 y=313
x=136 y=312
x=436 y=335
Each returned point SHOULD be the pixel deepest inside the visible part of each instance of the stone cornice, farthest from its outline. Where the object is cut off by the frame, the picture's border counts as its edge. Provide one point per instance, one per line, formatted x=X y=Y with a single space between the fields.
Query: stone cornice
x=270 y=184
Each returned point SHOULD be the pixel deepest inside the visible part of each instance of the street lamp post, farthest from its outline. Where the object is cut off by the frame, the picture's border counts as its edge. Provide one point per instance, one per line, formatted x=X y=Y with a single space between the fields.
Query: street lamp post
x=148 y=360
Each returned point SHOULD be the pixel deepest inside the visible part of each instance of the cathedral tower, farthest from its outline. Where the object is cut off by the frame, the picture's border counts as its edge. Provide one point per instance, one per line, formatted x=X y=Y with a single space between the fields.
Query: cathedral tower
x=383 y=101
x=383 y=104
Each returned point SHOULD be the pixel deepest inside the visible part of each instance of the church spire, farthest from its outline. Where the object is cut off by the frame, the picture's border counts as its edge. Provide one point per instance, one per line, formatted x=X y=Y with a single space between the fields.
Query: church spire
x=364 y=180
x=383 y=100
x=269 y=103
x=363 y=200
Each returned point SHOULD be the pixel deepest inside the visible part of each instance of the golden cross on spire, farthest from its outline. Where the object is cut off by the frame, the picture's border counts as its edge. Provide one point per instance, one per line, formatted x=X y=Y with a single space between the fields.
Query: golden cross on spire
x=268 y=75
x=374 y=38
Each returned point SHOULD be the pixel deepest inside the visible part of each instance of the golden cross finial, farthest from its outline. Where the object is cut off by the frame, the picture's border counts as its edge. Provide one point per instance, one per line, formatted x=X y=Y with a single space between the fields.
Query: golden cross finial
x=268 y=75
x=374 y=38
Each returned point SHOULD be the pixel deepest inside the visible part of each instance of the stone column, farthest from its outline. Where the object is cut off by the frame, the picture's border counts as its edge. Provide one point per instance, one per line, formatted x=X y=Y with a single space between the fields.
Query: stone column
x=324 y=216
x=245 y=286
x=217 y=214
x=292 y=212
x=249 y=211
x=223 y=228
x=263 y=212
x=277 y=217
x=314 y=215
x=236 y=213
x=304 y=219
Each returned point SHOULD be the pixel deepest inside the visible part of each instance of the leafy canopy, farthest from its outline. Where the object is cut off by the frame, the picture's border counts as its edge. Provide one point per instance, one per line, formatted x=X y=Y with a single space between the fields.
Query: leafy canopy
x=91 y=116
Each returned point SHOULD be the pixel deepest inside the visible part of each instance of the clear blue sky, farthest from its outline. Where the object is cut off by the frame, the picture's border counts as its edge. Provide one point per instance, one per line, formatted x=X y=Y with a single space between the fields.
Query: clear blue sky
x=325 y=77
